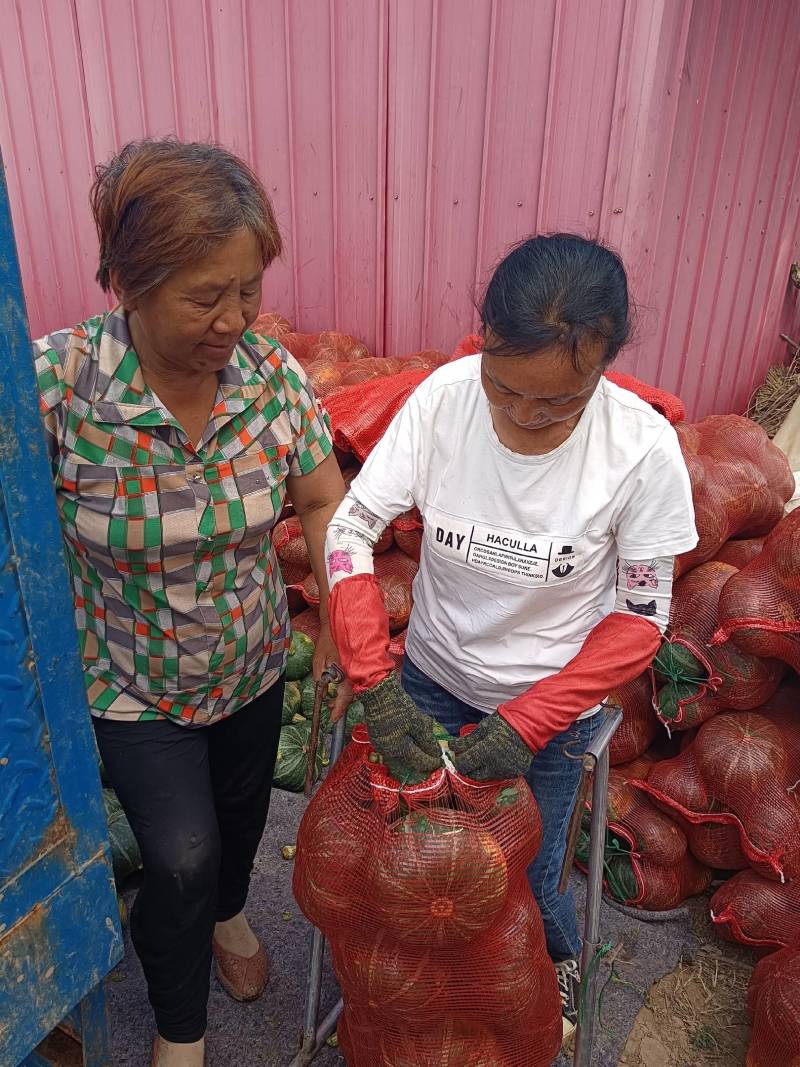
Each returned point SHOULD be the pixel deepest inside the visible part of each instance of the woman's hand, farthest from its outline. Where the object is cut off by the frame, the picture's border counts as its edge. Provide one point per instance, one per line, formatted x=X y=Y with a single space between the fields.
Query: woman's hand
x=493 y=750
x=325 y=654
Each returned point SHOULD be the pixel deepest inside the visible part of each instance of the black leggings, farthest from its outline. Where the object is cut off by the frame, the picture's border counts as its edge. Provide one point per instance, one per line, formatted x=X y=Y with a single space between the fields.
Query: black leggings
x=197 y=801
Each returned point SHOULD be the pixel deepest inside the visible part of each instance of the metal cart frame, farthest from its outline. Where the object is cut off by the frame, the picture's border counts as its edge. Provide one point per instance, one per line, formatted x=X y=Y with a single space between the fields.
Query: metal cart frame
x=596 y=763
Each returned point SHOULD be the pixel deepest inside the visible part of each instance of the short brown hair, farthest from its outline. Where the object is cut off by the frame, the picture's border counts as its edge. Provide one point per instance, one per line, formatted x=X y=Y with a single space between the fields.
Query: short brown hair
x=160 y=204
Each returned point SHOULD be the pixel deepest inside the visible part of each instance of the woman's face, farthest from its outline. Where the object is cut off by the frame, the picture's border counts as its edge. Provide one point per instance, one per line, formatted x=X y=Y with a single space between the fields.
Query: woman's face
x=534 y=392
x=193 y=320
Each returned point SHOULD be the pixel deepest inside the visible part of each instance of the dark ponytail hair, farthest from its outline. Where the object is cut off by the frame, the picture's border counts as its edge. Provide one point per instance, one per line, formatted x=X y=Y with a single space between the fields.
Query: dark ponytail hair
x=557 y=290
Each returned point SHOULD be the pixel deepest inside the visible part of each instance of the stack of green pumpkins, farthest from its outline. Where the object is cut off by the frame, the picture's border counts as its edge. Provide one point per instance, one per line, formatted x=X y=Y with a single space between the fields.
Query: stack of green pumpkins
x=298 y=707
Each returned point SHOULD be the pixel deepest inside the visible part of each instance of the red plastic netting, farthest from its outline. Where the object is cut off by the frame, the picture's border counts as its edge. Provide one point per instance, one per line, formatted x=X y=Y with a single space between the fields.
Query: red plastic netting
x=694 y=681
x=307 y=622
x=360 y=414
x=409 y=542
x=772 y=1001
x=741 y=771
x=665 y=403
x=271 y=324
x=327 y=377
x=639 y=723
x=647 y=863
x=436 y=940
x=759 y=608
x=740 y=483
x=395 y=573
x=757 y=911
x=739 y=553
x=291 y=549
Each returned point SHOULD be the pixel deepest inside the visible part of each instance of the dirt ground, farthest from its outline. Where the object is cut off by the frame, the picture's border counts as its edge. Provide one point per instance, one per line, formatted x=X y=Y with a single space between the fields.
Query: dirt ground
x=696 y=1016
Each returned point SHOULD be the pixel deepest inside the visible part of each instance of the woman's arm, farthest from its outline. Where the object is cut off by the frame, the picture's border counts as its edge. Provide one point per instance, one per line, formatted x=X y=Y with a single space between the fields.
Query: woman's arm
x=315 y=497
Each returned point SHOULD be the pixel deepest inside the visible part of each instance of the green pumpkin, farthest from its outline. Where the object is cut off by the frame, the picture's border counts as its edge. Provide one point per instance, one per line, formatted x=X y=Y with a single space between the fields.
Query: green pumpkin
x=355 y=714
x=292 y=702
x=620 y=878
x=407 y=775
x=670 y=697
x=301 y=657
x=292 y=758
x=125 y=856
x=675 y=663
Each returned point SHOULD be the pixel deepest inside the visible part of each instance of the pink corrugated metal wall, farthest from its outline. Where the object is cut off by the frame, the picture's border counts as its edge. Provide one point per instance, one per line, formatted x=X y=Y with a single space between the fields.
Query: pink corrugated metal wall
x=407 y=143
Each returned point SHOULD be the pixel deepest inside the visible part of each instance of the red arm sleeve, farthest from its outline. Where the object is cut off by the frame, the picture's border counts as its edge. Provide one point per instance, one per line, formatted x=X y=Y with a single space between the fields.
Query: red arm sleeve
x=360 y=629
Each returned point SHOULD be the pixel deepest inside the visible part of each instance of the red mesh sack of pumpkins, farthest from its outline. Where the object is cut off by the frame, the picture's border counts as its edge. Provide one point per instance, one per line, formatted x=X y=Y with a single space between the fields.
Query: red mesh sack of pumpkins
x=647 y=863
x=639 y=724
x=759 y=609
x=740 y=771
x=757 y=911
x=291 y=549
x=739 y=553
x=331 y=346
x=420 y=888
x=300 y=345
x=772 y=1001
x=271 y=324
x=694 y=680
x=740 y=483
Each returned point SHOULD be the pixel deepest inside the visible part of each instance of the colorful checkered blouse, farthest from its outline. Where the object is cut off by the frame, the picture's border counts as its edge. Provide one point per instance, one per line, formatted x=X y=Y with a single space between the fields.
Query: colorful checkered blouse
x=179 y=601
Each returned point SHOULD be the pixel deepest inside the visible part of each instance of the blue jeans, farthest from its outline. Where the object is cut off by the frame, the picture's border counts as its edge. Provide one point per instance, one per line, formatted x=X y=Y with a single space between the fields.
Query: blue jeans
x=553 y=778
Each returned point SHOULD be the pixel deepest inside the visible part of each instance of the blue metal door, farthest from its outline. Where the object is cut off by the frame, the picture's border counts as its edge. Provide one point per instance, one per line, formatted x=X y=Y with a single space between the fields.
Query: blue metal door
x=59 y=924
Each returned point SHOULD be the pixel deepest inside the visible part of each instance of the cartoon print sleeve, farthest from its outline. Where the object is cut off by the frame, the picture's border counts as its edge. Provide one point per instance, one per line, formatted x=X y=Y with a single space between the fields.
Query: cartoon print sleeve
x=644 y=588
x=352 y=534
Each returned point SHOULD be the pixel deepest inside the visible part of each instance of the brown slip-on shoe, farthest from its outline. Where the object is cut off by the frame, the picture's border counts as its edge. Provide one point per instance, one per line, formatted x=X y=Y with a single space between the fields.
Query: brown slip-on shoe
x=243 y=978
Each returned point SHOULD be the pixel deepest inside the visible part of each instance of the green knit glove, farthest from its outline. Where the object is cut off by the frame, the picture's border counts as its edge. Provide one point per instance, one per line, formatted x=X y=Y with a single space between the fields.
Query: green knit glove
x=494 y=750
x=397 y=728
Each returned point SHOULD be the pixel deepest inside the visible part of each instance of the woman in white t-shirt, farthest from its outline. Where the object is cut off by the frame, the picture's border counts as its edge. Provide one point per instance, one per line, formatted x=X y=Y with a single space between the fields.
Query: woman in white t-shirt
x=553 y=503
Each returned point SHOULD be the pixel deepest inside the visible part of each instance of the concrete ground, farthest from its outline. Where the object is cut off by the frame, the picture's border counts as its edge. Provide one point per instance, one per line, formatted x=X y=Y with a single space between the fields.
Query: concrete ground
x=266 y=1033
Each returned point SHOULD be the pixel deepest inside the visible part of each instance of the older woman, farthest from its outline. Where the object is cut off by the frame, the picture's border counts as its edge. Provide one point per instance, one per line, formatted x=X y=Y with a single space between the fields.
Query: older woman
x=175 y=435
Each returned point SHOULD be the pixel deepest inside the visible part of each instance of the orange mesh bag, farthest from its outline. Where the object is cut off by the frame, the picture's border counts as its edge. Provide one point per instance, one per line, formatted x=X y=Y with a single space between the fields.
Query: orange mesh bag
x=334 y=347
x=397 y=648
x=421 y=890
x=409 y=521
x=740 y=483
x=741 y=771
x=360 y=414
x=772 y=1001
x=409 y=542
x=301 y=345
x=307 y=622
x=760 y=607
x=291 y=549
x=394 y=572
x=271 y=324
x=757 y=911
x=739 y=553
x=694 y=681
x=639 y=723
x=647 y=863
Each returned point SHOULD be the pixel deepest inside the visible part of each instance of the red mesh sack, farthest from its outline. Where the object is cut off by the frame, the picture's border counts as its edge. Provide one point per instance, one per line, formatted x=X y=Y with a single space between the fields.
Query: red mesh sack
x=408 y=521
x=394 y=572
x=739 y=553
x=301 y=345
x=760 y=607
x=291 y=549
x=360 y=414
x=741 y=771
x=740 y=483
x=639 y=724
x=397 y=648
x=307 y=622
x=334 y=347
x=694 y=681
x=271 y=324
x=665 y=403
x=422 y=893
x=409 y=542
x=757 y=911
x=647 y=863
x=772 y=1001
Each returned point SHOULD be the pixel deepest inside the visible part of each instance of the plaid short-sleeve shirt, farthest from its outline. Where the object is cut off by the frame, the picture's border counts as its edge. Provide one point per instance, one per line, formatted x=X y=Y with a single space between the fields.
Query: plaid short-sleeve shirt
x=179 y=601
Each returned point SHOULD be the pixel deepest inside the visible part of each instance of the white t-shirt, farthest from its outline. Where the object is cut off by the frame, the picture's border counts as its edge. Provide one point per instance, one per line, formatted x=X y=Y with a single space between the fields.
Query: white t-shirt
x=519 y=553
